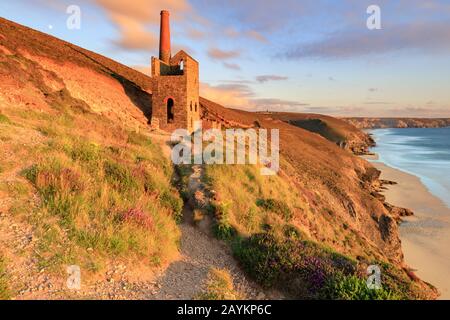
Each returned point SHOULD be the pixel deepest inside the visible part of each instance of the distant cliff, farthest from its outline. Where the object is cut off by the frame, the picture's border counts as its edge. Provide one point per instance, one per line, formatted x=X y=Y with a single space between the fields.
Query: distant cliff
x=342 y=133
x=375 y=123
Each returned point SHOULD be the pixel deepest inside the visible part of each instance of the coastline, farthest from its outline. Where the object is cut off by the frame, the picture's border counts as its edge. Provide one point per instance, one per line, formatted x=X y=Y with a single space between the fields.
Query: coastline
x=425 y=236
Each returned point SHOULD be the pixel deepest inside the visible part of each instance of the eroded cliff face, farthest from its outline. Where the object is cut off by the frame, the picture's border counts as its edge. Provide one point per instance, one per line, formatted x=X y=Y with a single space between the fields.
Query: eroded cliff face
x=343 y=134
x=379 y=123
x=345 y=209
x=331 y=179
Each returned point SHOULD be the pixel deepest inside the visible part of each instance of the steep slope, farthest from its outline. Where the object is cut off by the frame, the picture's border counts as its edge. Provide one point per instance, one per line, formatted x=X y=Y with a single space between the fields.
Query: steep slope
x=336 y=200
x=376 y=123
x=84 y=182
x=338 y=131
x=81 y=181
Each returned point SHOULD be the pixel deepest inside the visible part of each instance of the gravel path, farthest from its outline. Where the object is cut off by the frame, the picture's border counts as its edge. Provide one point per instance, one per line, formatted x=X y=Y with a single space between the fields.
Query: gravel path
x=200 y=251
x=185 y=279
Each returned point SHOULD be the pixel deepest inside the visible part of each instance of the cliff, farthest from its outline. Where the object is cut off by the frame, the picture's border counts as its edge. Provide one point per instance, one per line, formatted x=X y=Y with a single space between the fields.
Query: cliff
x=344 y=134
x=378 y=123
x=85 y=181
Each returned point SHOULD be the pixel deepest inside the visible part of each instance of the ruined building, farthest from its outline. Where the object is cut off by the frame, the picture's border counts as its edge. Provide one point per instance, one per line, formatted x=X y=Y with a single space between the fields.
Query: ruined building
x=175 y=85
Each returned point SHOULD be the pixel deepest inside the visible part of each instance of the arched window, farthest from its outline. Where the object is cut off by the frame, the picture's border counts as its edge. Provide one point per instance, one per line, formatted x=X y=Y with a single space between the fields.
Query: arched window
x=191 y=105
x=196 y=107
x=182 y=65
x=170 y=115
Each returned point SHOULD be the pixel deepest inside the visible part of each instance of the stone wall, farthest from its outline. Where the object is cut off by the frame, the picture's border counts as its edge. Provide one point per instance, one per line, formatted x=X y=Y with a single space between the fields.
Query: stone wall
x=180 y=85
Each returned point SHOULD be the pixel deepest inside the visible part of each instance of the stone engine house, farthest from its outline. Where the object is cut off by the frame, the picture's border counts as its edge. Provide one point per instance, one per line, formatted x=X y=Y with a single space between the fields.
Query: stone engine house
x=175 y=85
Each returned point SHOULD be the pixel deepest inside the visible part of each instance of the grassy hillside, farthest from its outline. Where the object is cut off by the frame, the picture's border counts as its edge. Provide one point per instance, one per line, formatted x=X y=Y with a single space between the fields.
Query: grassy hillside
x=84 y=182
x=338 y=131
x=89 y=190
x=320 y=216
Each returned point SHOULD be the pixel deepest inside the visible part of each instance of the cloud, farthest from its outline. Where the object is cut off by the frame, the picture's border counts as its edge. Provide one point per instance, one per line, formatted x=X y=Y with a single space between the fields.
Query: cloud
x=216 y=53
x=133 y=35
x=372 y=89
x=428 y=37
x=241 y=96
x=377 y=102
x=279 y=105
x=231 y=32
x=137 y=20
x=232 y=66
x=270 y=77
x=232 y=95
x=256 y=35
x=195 y=34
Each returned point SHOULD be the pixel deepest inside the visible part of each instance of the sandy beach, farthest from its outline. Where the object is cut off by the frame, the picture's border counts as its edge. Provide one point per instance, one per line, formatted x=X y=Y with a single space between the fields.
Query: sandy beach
x=426 y=235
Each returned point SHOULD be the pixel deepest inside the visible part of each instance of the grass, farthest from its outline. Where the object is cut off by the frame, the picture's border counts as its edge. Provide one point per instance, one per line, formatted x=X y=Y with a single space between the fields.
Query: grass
x=341 y=287
x=257 y=216
x=247 y=200
x=4 y=119
x=219 y=286
x=5 y=292
x=307 y=270
x=90 y=197
x=104 y=192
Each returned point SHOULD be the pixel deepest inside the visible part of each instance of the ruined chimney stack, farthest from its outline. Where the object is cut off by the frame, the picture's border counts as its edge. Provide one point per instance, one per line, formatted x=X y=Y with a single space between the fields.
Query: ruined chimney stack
x=164 y=37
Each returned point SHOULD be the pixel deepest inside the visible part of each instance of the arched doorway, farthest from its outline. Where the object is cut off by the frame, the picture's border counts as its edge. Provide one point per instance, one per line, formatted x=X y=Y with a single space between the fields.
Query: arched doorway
x=170 y=115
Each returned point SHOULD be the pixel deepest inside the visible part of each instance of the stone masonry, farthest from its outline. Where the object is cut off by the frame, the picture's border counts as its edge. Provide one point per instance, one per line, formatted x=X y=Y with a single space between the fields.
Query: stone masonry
x=175 y=86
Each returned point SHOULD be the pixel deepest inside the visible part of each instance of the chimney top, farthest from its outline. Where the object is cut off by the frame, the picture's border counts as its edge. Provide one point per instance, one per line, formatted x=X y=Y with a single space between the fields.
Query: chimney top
x=164 y=37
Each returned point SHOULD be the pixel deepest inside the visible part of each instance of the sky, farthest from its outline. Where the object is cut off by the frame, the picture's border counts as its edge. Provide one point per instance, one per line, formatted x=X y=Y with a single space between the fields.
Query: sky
x=279 y=55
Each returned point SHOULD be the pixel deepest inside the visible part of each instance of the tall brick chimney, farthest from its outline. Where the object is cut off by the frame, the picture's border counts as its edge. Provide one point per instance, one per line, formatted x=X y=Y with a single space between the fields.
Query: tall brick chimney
x=164 y=37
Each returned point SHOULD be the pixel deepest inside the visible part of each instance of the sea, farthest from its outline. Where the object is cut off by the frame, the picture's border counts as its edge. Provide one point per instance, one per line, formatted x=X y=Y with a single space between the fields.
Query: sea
x=423 y=152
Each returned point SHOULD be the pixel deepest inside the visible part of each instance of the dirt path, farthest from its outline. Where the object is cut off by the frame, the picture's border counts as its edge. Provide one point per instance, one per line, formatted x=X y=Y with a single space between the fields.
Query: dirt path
x=185 y=279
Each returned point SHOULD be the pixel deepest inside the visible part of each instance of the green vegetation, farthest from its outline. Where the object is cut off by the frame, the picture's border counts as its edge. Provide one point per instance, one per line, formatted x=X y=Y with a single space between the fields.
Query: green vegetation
x=103 y=192
x=257 y=214
x=5 y=293
x=219 y=286
x=341 y=287
x=276 y=206
x=103 y=203
x=4 y=119
x=306 y=270
x=247 y=201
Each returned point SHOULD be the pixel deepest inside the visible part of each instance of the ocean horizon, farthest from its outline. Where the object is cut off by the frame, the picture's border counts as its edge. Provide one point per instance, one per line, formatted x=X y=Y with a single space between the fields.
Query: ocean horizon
x=422 y=152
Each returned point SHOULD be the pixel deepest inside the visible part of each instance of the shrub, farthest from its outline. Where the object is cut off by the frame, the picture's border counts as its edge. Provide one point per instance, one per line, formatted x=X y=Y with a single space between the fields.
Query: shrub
x=85 y=151
x=173 y=202
x=222 y=228
x=139 y=139
x=139 y=217
x=278 y=262
x=276 y=206
x=341 y=287
x=4 y=119
x=183 y=172
x=219 y=286
x=5 y=292
x=120 y=177
x=60 y=189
